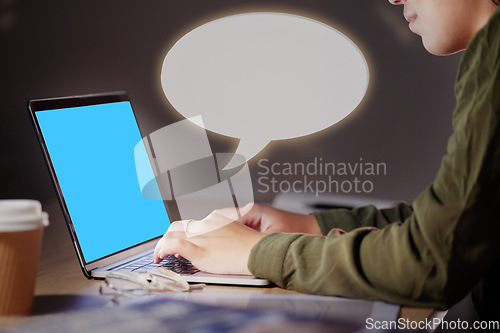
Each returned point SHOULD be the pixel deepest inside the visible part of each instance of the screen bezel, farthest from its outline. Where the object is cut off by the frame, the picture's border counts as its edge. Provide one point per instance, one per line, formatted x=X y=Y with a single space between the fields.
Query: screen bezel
x=46 y=104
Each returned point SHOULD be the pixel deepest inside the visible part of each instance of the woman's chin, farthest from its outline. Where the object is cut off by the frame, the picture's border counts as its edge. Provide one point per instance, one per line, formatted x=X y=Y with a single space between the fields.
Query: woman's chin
x=440 y=49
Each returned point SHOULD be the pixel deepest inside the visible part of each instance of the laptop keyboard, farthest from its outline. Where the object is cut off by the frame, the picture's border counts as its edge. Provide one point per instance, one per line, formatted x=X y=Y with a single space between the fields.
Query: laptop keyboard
x=177 y=265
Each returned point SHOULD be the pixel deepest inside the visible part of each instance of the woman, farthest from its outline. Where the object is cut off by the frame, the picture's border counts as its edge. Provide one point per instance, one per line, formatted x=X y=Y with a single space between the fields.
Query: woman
x=431 y=253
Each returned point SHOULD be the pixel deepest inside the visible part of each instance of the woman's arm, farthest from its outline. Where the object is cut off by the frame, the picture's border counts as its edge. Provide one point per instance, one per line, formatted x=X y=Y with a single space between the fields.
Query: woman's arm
x=368 y=216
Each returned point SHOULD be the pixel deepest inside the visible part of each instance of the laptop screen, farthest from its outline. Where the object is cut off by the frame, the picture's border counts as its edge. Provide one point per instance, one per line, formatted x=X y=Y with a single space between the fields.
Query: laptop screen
x=92 y=152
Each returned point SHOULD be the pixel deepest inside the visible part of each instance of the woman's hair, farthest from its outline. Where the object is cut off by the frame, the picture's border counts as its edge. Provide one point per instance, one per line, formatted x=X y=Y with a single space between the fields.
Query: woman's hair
x=496 y=2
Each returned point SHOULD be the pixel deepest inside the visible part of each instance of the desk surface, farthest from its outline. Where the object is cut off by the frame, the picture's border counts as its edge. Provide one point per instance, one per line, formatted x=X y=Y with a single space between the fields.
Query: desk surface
x=61 y=284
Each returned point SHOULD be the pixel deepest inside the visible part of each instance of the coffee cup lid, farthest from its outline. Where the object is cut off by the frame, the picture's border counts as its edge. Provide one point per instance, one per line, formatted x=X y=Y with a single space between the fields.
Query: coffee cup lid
x=19 y=215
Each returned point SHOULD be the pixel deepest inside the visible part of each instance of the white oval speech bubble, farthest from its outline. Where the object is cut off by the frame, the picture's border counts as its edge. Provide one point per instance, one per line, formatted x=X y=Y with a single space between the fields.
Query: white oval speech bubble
x=264 y=76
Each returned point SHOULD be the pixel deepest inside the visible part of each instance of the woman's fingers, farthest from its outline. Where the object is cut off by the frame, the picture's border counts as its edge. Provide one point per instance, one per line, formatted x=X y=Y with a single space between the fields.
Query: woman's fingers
x=251 y=216
x=230 y=213
x=186 y=229
x=210 y=223
x=248 y=208
x=233 y=213
x=177 y=245
x=176 y=230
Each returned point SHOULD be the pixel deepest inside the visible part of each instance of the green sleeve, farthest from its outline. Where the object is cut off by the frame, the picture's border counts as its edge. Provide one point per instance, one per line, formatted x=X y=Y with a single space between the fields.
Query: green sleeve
x=438 y=253
x=368 y=216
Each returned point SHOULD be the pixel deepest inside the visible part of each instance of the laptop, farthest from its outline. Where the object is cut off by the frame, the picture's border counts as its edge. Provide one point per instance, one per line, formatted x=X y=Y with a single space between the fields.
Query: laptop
x=88 y=143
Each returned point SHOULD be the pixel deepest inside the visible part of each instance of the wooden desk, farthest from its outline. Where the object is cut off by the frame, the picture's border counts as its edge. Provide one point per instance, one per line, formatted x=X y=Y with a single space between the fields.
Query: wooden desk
x=61 y=284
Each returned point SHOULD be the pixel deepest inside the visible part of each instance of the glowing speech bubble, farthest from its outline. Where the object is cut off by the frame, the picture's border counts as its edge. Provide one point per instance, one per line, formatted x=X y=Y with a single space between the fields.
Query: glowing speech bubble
x=264 y=76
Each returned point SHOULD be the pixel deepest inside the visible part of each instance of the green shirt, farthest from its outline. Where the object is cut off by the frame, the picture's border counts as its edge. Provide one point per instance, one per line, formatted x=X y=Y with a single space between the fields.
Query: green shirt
x=430 y=254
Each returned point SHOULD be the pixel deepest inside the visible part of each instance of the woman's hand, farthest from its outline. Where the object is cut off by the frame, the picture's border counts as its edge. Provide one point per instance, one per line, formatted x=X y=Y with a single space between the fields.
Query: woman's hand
x=215 y=244
x=221 y=243
x=268 y=219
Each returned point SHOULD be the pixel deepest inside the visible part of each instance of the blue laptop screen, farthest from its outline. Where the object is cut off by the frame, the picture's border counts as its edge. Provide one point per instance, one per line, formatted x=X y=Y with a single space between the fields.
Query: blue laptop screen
x=92 y=152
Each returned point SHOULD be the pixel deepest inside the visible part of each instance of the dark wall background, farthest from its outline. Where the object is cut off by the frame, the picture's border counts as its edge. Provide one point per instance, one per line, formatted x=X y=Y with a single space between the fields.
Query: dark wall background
x=58 y=48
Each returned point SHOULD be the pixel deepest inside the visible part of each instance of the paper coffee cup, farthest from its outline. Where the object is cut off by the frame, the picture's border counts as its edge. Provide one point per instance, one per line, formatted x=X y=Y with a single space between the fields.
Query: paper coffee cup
x=21 y=231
